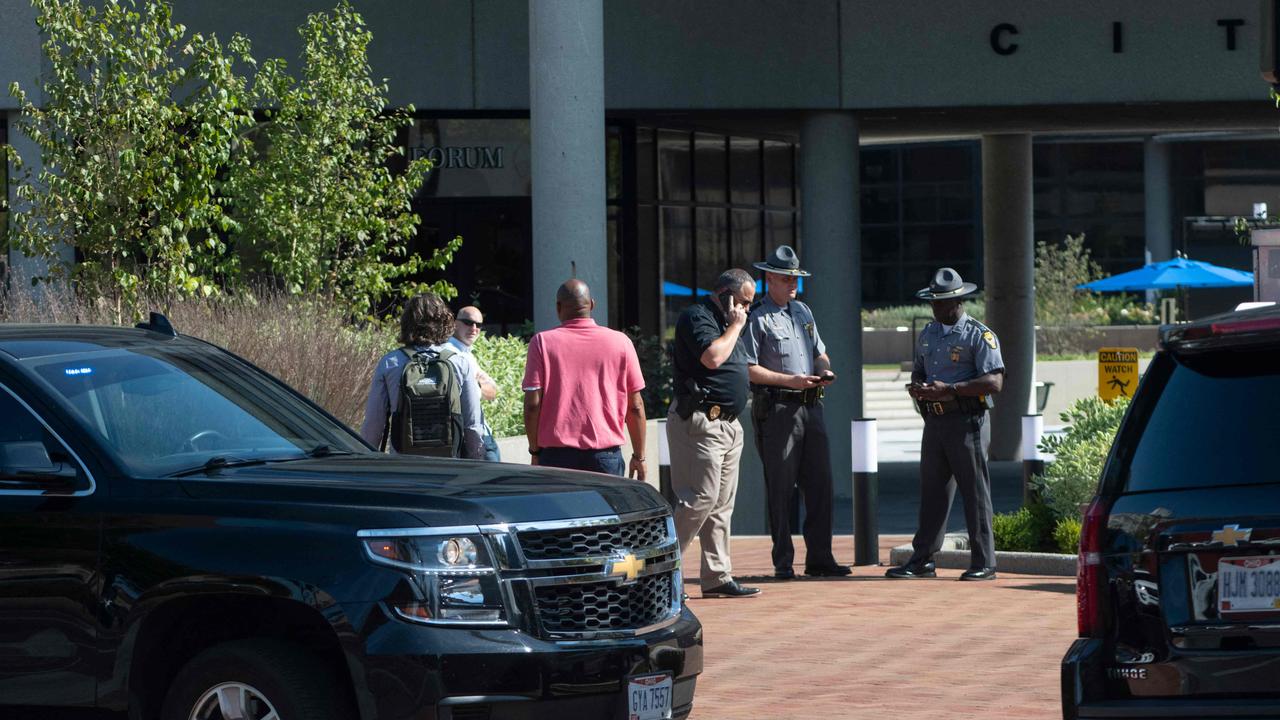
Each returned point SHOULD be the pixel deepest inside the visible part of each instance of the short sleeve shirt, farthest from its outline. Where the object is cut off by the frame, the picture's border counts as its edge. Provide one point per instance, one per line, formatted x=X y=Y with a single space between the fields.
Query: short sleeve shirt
x=586 y=373
x=967 y=351
x=782 y=339
x=700 y=325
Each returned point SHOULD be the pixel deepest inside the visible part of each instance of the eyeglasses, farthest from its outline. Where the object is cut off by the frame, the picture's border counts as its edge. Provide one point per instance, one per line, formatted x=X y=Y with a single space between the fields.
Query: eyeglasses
x=468 y=322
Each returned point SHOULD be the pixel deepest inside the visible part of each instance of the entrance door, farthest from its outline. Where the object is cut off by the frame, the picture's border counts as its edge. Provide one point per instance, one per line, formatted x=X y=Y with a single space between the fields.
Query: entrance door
x=494 y=268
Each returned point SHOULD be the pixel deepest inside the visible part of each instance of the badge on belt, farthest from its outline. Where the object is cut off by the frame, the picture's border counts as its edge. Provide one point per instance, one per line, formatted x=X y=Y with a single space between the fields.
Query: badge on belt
x=713 y=412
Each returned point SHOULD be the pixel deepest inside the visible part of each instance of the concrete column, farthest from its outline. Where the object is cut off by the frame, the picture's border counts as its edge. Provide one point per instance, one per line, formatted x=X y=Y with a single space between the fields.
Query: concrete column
x=1157 y=199
x=566 y=108
x=1009 y=280
x=831 y=250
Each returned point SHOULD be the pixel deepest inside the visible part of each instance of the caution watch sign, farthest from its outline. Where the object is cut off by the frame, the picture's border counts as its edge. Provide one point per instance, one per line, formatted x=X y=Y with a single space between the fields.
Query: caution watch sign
x=1117 y=372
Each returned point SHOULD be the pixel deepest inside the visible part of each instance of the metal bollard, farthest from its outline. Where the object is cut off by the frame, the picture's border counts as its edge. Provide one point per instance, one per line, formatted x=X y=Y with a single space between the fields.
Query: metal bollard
x=866 y=504
x=1032 y=457
x=664 y=467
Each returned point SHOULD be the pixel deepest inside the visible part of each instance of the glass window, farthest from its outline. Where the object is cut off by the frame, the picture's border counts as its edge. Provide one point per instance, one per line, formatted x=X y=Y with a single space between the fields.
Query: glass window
x=1205 y=426
x=709 y=168
x=713 y=246
x=745 y=239
x=613 y=162
x=956 y=202
x=26 y=447
x=744 y=171
x=673 y=166
x=929 y=163
x=676 y=230
x=140 y=404
x=880 y=204
x=919 y=204
x=880 y=243
x=779 y=229
x=880 y=281
x=646 y=177
x=779 y=173
x=879 y=165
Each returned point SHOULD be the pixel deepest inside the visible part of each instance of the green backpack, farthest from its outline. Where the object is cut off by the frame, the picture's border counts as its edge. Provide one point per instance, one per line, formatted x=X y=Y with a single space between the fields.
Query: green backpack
x=428 y=420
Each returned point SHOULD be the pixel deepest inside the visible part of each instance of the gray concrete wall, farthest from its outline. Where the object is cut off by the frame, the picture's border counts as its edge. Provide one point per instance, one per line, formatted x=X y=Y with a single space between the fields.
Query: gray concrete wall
x=938 y=52
x=757 y=54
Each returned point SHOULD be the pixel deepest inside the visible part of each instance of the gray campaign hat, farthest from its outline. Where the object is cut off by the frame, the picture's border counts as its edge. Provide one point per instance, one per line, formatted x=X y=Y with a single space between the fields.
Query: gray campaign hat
x=947 y=284
x=783 y=261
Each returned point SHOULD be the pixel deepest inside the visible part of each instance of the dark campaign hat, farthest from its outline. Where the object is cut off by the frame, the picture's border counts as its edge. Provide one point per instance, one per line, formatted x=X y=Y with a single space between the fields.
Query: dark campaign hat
x=946 y=285
x=783 y=261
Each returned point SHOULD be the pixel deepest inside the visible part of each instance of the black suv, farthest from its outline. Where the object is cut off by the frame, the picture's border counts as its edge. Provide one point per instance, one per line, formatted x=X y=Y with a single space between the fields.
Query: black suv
x=184 y=537
x=1179 y=584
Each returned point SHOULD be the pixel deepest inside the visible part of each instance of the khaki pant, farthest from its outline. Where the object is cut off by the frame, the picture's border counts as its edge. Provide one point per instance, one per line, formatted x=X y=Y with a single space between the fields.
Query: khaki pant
x=704 y=480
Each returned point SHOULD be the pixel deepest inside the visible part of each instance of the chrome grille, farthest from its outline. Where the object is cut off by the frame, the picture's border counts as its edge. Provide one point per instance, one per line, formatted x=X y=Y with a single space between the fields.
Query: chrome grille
x=569 y=543
x=604 y=606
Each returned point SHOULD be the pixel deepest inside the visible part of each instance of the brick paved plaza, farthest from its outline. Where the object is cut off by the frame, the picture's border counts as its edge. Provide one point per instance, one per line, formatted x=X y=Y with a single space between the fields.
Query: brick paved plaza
x=868 y=647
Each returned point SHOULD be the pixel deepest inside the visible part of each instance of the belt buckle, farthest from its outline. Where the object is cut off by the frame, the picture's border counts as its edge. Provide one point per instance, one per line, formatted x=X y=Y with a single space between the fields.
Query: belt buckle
x=936 y=408
x=713 y=412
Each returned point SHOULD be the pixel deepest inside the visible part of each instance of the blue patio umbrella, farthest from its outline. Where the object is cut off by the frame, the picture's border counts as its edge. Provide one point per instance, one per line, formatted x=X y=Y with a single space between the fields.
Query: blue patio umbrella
x=671 y=289
x=1175 y=274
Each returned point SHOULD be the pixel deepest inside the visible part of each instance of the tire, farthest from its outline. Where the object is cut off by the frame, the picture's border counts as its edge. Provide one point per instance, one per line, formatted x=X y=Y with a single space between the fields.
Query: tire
x=261 y=675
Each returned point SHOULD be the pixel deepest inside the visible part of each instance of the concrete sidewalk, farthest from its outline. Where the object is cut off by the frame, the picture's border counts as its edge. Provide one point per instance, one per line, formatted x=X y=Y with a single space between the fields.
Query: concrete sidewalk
x=868 y=647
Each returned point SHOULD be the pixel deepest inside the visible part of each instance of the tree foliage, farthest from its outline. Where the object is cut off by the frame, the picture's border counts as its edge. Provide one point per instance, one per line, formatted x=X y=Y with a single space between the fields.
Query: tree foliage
x=136 y=121
x=157 y=171
x=1079 y=454
x=317 y=199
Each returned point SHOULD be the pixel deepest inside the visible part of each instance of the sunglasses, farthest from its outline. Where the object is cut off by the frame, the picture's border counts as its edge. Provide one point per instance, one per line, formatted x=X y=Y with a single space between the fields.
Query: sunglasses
x=468 y=322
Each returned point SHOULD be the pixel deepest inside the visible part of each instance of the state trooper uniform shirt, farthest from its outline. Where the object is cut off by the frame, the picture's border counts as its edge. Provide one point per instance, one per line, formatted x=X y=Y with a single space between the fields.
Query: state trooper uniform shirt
x=966 y=351
x=782 y=339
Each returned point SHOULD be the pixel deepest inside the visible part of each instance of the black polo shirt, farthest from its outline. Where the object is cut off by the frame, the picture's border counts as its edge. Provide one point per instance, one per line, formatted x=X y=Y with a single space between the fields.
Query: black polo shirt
x=700 y=325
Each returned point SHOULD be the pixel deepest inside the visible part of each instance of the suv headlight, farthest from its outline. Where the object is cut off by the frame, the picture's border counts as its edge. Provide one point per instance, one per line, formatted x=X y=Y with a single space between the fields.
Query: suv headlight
x=452 y=573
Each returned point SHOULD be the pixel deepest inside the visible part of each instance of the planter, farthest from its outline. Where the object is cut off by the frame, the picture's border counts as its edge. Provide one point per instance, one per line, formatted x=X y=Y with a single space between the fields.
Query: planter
x=954 y=555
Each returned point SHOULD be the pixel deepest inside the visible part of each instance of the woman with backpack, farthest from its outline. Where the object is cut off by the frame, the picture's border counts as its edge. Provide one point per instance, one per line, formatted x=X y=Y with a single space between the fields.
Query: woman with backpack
x=424 y=399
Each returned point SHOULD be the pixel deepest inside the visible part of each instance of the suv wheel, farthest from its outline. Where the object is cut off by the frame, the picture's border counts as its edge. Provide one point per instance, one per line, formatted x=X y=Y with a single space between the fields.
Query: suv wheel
x=255 y=680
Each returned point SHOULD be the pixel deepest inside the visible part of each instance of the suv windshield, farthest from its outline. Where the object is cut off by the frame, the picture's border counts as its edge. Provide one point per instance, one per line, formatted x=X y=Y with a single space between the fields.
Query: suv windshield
x=1210 y=420
x=166 y=410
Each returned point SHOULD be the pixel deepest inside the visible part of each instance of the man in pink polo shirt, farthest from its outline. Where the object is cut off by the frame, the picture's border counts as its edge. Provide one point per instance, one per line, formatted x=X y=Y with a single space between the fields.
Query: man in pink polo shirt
x=582 y=384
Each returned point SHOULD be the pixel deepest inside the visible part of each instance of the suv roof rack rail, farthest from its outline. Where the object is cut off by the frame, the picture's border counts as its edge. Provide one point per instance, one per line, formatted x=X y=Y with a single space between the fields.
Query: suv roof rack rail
x=158 y=324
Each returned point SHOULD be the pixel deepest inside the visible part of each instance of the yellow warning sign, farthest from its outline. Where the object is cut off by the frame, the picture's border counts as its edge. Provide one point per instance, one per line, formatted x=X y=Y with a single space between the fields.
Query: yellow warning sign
x=1117 y=372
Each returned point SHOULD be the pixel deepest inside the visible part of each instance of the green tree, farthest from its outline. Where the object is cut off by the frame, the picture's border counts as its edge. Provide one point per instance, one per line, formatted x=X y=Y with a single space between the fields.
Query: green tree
x=136 y=122
x=1061 y=309
x=317 y=200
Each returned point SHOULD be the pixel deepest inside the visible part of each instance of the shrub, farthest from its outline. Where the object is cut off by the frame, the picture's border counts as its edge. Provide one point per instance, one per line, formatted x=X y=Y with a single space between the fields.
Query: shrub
x=655 y=365
x=1079 y=454
x=1066 y=535
x=303 y=341
x=503 y=359
x=902 y=315
x=1029 y=529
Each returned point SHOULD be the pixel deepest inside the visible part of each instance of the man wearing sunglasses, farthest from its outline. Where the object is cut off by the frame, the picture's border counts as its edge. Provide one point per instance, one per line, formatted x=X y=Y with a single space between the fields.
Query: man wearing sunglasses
x=466 y=330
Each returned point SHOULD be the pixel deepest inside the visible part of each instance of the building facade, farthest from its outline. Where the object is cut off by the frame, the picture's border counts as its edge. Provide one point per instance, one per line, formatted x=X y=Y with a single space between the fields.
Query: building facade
x=880 y=139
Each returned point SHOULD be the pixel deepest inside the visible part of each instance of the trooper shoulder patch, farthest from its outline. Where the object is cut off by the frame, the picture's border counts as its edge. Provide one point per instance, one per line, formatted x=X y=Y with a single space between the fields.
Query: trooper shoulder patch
x=989 y=338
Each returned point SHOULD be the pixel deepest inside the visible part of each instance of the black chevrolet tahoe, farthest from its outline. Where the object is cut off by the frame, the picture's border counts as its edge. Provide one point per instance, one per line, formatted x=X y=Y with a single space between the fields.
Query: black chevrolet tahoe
x=182 y=536
x=1179 y=577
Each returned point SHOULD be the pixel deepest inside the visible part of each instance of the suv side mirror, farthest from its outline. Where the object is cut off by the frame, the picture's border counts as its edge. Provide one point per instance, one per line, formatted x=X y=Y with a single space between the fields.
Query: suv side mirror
x=27 y=466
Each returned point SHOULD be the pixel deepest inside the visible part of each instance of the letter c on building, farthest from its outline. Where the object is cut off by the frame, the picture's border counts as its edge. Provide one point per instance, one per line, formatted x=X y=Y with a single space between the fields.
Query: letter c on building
x=997 y=44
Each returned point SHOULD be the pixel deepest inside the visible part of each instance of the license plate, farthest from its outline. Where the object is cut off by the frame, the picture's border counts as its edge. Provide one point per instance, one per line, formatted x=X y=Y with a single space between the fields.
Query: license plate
x=1249 y=584
x=649 y=697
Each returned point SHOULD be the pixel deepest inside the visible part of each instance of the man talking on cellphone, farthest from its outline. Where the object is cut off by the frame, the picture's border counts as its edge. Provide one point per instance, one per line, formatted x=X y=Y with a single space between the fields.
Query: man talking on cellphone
x=709 y=372
x=788 y=366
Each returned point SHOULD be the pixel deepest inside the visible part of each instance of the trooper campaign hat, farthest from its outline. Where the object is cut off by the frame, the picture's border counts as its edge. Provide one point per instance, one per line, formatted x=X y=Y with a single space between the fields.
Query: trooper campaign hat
x=947 y=284
x=783 y=261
